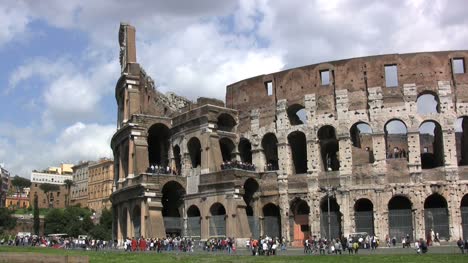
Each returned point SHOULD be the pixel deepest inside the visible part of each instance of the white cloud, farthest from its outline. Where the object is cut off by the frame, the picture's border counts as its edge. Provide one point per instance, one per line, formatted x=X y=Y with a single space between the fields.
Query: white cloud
x=14 y=19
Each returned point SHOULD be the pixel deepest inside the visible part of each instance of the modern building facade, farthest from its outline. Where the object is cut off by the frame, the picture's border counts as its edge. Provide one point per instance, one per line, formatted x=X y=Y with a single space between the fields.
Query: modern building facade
x=341 y=142
x=55 y=199
x=100 y=181
x=79 y=190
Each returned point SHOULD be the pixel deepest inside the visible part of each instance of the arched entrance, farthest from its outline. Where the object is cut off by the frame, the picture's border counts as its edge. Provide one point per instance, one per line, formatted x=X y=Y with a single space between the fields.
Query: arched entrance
x=172 y=201
x=217 y=220
x=361 y=137
x=227 y=149
x=436 y=217
x=226 y=122
x=251 y=188
x=194 y=148
x=136 y=220
x=245 y=150
x=364 y=216
x=464 y=216
x=400 y=217
x=329 y=148
x=432 y=145
x=297 y=114
x=461 y=135
x=270 y=149
x=301 y=228
x=158 y=145
x=330 y=219
x=193 y=222
x=298 y=145
x=271 y=221
x=396 y=139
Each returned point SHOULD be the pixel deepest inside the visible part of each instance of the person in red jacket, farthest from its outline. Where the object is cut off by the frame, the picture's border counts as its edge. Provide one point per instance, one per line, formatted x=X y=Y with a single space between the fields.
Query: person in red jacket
x=142 y=244
x=134 y=244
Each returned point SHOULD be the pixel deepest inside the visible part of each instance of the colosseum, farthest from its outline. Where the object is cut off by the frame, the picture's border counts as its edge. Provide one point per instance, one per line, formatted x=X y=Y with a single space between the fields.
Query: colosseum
x=374 y=144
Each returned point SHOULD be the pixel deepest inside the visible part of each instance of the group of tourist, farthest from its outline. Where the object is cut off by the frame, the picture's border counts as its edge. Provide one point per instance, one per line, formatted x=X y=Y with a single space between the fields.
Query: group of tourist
x=266 y=246
x=59 y=242
x=271 y=167
x=159 y=244
x=397 y=153
x=337 y=246
x=161 y=169
x=220 y=244
x=237 y=165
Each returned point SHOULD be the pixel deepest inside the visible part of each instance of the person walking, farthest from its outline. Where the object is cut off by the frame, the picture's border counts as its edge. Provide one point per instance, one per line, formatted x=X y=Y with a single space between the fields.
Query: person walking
x=461 y=245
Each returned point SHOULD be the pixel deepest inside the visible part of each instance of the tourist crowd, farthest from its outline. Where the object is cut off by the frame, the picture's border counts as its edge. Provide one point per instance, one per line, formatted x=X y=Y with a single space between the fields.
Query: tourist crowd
x=237 y=165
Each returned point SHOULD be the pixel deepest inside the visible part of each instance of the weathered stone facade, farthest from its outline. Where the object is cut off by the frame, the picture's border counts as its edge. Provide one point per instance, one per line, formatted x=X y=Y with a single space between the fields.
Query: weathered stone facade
x=379 y=180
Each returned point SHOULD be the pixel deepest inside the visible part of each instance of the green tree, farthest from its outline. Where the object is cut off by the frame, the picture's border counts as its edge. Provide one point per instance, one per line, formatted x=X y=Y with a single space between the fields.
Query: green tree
x=72 y=220
x=103 y=230
x=47 y=188
x=19 y=183
x=36 y=215
x=7 y=222
x=68 y=184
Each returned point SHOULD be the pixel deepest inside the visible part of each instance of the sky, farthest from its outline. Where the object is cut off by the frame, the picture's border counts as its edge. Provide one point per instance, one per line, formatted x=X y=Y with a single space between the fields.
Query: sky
x=60 y=58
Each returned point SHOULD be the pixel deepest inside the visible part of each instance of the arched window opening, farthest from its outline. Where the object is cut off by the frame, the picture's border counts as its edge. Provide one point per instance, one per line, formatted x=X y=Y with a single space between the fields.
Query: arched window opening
x=329 y=148
x=136 y=220
x=364 y=216
x=271 y=221
x=177 y=160
x=396 y=139
x=194 y=148
x=432 y=145
x=193 y=222
x=297 y=114
x=158 y=145
x=436 y=217
x=270 y=149
x=251 y=188
x=400 y=217
x=245 y=150
x=361 y=137
x=300 y=210
x=172 y=200
x=227 y=149
x=226 y=122
x=217 y=220
x=334 y=215
x=298 y=144
x=461 y=135
x=428 y=103
x=464 y=216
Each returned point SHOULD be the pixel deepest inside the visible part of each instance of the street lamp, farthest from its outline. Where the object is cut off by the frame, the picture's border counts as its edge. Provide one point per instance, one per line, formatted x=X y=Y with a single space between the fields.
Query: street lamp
x=329 y=192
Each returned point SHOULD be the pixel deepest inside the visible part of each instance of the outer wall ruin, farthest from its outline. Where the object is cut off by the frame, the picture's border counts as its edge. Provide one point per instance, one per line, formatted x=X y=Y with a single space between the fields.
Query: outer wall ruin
x=309 y=131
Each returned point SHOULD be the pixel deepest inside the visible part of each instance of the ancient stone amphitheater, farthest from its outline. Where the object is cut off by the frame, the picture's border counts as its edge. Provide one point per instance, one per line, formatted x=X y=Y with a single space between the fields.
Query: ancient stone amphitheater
x=374 y=144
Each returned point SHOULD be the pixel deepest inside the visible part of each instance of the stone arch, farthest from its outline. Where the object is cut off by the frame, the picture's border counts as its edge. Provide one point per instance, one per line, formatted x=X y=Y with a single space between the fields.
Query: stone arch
x=400 y=217
x=432 y=145
x=270 y=150
x=158 y=145
x=271 y=220
x=297 y=114
x=217 y=220
x=461 y=136
x=436 y=216
x=298 y=143
x=300 y=211
x=172 y=201
x=177 y=169
x=245 y=150
x=227 y=149
x=226 y=122
x=464 y=216
x=396 y=139
x=427 y=103
x=329 y=148
x=251 y=191
x=193 y=222
x=136 y=221
x=330 y=218
x=364 y=216
x=361 y=138
x=194 y=149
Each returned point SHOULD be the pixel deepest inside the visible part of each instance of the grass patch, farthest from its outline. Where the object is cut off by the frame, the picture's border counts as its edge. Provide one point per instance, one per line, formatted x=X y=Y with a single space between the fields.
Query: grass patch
x=113 y=256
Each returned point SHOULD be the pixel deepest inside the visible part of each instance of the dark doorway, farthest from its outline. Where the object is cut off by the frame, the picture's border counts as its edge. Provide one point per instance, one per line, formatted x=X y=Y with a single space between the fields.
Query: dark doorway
x=172 y=201
x=436 y=217
x=271 y=221
x=158 y=145
x=193 y=222
x=217 y=220
x=270 y=149
x=298 y=144
x=245 y=150
x=400 y=217
x=329 y=148
x=194 y=148
x=364 y=216
x=432 y=145
x=334 y=216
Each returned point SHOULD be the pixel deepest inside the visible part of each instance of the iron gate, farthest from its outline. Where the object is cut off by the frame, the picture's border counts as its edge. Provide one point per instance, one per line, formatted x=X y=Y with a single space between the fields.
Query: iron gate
x=335 y=224
x=217 y=226
x=437 y=220
x=193 y=227
x=254 y=225
x=400 y=223
x=364 y=221
x=464 y=216
x=272 y=226
x=173 y=225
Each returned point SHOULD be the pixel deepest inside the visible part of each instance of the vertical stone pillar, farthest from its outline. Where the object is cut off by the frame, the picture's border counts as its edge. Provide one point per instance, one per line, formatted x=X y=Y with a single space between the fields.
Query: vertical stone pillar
x=346 y=213
x=130 y=232
x=156 y=227
x=131 y=159
x=140 y=153
x=342 y=103
x=143 y=218
x=284 y=156
x=380 y=152
x=310 y=107
x=314 y=163
x=418 y=223
x=118 y=231
x=346 y=163
x=414 y=152
x=284 y=206
x=205 y=227
x=381 y=215
x=450 y=148
x=122 y=174
x=454 y=211
x=258 y=158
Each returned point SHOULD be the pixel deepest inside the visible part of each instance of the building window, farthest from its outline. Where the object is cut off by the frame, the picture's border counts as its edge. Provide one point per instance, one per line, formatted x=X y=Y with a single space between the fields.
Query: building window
x=458 y=65
x=325 y=77
x=269 y=87
x=391 y=76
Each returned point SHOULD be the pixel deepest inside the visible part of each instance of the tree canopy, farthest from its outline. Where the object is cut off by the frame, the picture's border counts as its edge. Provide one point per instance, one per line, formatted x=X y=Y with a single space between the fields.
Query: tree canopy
x=6 y=220
x=46 y=188
x=20 y=182
x=72 y=220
